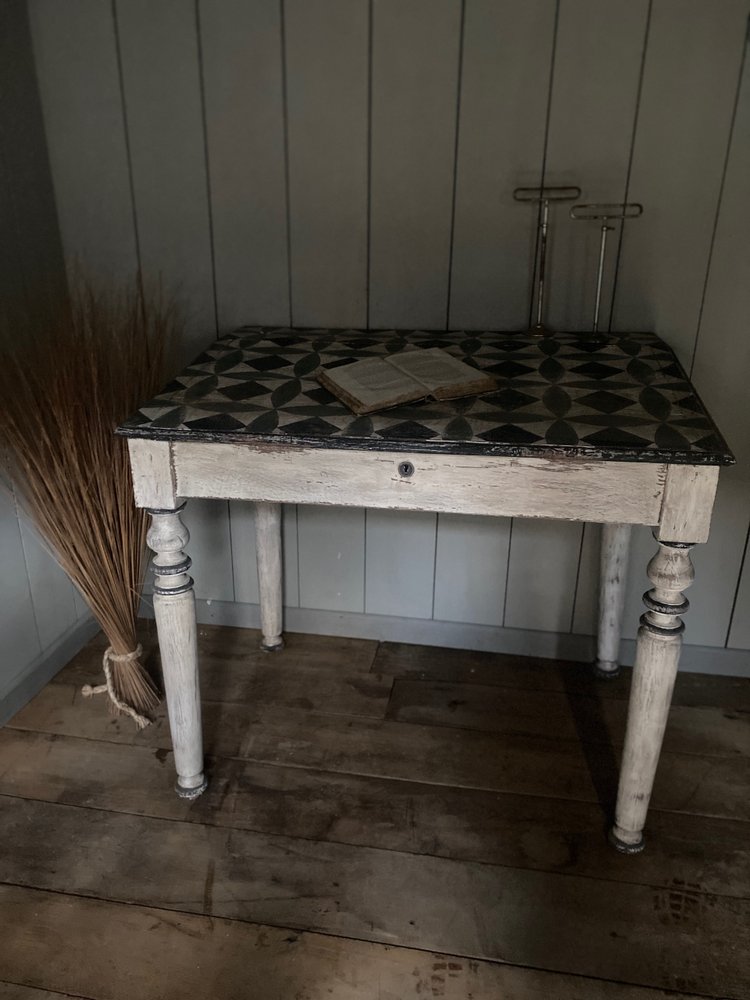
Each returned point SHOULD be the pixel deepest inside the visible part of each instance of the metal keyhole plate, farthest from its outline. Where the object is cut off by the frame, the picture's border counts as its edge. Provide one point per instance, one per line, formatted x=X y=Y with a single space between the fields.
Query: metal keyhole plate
x=405 y=469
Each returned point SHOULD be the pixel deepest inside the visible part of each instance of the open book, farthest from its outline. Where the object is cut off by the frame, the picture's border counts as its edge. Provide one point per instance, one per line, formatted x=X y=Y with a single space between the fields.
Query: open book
x=377 y=383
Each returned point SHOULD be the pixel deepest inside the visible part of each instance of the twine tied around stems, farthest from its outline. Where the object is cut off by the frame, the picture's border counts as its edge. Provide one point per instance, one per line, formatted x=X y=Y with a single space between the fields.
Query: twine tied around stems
x=110 y=657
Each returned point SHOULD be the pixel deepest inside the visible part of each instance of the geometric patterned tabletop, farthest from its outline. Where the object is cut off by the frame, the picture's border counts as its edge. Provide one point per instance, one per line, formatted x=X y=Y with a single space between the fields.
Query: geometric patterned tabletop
x=617 y=397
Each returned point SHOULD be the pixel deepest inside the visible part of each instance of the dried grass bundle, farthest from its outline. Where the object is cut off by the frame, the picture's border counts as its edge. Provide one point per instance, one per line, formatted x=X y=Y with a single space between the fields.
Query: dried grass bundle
x=66 y=381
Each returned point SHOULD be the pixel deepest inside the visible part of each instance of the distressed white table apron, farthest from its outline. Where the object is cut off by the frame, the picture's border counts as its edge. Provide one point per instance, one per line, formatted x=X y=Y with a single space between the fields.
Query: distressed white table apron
x=676 y=500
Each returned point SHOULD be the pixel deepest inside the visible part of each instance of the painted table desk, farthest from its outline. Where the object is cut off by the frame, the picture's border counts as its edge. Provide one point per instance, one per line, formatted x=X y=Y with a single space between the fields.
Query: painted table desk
x=605 y=429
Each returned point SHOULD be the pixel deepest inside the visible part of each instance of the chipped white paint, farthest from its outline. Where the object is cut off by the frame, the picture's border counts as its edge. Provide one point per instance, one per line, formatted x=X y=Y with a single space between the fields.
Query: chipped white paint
x=153 y=477
x=614 y=493
x=268 y=545
x=656 y=661
x=174 y=610
x=565 y=488
x=688 y=503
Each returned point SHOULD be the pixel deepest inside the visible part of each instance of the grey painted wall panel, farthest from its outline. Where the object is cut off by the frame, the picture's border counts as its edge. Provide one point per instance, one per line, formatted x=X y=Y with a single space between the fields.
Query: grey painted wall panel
x=241 y=58
x=25 y=163
x=471 y=566
x=586 y=606
x=210 y=548
x=76 y=59
x=594 y=95
x=683 y=125
x=594 y=91
x=739 y=637
x=18 y=629
x=542 y=574
x=244 y=558
x=36 y=601
x=326 y=79
x=722 y=364
x=162 y=90
x=161 y=79
x=331 y=558
x=690 y=79
x=399 y=565
x=504 y=95
x=51 y=591
x=414 y=102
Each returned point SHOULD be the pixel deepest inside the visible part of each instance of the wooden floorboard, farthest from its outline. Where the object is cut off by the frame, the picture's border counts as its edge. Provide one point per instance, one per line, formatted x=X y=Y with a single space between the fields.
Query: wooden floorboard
x=383 y=821
x=711 y=731
x=311 y=673
x=529 y=765
x=14 y=991
x=555 y=922
x=459 y=666
x=112 y=951
x=685 y=852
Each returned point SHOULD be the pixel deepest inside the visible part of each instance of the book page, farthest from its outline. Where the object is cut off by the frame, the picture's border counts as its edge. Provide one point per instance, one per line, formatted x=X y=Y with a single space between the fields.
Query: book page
x=442 y=375
x=370 y=385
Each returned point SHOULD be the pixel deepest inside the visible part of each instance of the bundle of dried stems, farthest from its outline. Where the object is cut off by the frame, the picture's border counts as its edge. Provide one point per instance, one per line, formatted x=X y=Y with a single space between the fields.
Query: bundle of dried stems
x=66 y=381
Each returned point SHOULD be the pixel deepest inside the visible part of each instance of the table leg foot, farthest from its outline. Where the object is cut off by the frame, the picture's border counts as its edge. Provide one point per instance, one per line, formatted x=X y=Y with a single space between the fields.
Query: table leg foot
x=191 y=791
x=272 y=647
x=625 y=846
x=606 y=670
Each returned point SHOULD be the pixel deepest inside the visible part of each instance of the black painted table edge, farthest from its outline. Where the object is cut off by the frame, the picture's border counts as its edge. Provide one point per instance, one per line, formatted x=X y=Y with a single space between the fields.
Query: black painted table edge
x=276 y=441
x=652 y=454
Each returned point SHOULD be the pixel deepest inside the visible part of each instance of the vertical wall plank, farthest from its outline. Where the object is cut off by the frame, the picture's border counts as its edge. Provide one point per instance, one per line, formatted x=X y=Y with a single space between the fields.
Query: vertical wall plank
x=683 y=125
x=17 y=625
x=594 y=95
x=399 y=564
x=414 y=101
x=504 y=93
x=241 y=49
x=689 y=83
x=331 y=558
x=542 y=575
x=76 y=56
x=31 y=253
x=720 y=371
x=470 y=568
x=586 y=608
x=161 y=78
x=245 y=559
x=739 y=636
x=51 y=590
x=326 y=79
x=162 y=86
x=598 y=56
x=210 y=549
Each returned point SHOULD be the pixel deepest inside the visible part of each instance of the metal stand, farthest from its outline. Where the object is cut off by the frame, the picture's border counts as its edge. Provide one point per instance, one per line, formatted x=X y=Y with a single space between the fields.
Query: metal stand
x=542 y=196
x=604 y=213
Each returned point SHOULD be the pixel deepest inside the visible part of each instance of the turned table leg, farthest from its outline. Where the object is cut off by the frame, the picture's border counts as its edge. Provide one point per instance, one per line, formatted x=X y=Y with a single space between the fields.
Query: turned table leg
x=612 y=581
x=174 y=610
x=268 y=545
x=656 y=660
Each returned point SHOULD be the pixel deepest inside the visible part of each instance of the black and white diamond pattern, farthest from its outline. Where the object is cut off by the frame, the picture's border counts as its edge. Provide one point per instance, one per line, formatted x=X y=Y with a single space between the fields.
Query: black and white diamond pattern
x=619 y=397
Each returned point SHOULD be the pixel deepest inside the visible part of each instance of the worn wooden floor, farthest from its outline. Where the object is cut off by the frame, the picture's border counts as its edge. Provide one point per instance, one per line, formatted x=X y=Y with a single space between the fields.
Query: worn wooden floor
x=384 y=822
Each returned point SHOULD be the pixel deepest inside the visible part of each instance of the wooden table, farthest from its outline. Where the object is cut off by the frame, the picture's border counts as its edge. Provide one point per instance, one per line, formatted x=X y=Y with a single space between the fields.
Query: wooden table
x=605 y=429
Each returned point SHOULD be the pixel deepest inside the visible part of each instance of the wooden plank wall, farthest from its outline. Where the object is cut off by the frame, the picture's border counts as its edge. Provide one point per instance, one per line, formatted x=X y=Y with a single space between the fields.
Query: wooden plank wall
x=38 y=605
x=351 y=162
